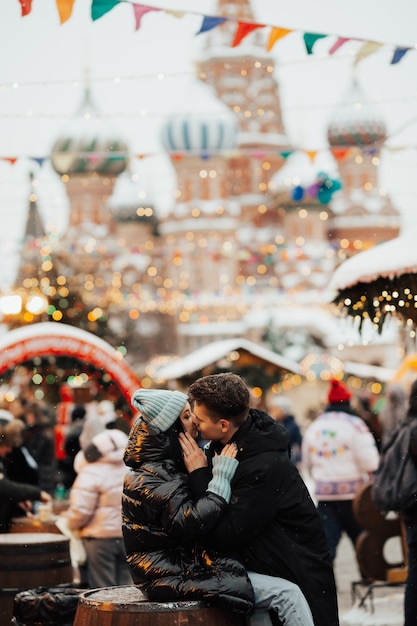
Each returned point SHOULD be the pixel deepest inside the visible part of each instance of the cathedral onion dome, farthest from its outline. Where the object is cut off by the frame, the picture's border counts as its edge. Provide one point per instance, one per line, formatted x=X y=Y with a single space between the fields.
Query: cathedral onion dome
x=213 y=129
x=88 y=146
x=355 y=124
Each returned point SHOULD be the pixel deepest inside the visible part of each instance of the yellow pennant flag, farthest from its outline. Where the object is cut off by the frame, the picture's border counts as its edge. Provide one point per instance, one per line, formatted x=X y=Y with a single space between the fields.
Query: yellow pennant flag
x=311 y=154
x=276 y=34
x=178 y=14
x=368 y=48
x=64 y=9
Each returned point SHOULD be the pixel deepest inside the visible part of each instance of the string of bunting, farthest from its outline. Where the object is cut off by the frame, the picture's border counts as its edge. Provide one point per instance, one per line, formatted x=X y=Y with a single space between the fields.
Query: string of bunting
x=339 y=154
x=99 y=8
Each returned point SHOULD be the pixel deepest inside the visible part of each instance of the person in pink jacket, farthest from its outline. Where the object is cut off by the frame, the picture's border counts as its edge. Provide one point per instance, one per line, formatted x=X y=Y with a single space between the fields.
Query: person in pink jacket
x=96 y=511
x=339 y=452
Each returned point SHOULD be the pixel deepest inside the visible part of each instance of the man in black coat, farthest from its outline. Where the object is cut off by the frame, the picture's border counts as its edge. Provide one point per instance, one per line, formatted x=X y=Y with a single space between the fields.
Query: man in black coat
x=271 y=523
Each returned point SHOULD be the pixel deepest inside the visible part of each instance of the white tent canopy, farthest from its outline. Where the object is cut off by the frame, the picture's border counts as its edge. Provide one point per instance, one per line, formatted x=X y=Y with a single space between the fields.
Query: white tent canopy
x=389 y=259
x=218 y=350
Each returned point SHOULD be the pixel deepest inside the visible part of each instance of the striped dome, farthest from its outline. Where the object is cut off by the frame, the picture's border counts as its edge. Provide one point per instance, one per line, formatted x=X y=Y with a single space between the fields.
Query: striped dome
x=198 y=133
x=88 y=145
x=356 y=123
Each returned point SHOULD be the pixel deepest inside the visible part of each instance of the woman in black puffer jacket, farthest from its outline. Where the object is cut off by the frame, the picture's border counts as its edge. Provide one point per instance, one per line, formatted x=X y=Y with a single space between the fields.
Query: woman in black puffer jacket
x=162 y=525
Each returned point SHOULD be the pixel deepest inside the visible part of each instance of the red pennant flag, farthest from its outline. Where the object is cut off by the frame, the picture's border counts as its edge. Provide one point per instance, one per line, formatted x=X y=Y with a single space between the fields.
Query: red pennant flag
x=26 y=7
x=139 y=11
x=340 y=153
x=11 y=160
x=243 y=29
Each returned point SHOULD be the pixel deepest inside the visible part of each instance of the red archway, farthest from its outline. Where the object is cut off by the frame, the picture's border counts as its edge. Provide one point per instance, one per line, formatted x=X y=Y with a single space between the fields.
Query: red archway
x=53 y=339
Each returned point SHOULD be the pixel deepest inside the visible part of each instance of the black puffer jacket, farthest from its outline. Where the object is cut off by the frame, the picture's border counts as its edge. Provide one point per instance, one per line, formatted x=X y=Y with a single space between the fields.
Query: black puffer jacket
x=271 y=521
x=162 y=528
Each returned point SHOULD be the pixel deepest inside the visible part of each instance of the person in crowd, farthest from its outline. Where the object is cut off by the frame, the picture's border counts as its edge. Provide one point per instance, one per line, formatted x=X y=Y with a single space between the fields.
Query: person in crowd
x=409 y=519
x=271 y=522
x=19 y=465
x=165 y=529
x=39 y=441
x=280 y=409
x=95 y=508
x=72 y=445
x=13 y=492
x=393 y=411
x=340 y=453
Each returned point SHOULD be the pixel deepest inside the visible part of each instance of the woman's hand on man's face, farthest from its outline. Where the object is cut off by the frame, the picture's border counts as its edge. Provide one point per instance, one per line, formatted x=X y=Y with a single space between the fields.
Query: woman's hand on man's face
x=194 y=457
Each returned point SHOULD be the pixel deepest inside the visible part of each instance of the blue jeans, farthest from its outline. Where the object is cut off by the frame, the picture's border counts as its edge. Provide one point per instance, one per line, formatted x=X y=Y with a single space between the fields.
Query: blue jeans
x=410 y=598
x=281 y=598
x=337 y=516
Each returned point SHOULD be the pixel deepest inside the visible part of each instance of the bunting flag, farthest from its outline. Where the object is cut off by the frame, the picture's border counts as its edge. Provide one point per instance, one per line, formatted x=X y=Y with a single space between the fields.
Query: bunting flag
x=11 y=160
x=368 y=48
x=139 y=10
x=178 y=14
x=39 y=160
x=26 y=7
x=340 y=153
x=338 y=44
x=276 y=34
x=101 y=7
x=398 y=55
x=64 y=9
x=210 y=22
x=242 y=30
x=311 y=154
x=310 y=39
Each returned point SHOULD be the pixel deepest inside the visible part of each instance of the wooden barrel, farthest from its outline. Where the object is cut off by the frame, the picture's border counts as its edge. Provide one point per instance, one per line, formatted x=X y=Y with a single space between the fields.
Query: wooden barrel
x=29 y=560
x=33 y=525
x=126 y=606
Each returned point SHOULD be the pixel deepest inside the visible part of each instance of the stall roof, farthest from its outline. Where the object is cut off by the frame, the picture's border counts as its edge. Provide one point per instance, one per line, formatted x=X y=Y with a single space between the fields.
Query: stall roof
x=212 y=352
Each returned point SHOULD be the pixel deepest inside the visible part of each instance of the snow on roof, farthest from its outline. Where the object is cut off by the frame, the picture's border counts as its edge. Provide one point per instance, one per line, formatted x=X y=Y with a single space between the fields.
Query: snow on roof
x=217 y=350
x=392 y=258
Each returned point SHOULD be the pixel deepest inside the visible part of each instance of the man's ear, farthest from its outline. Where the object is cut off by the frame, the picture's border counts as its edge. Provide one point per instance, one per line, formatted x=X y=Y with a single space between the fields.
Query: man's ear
x=225 y=425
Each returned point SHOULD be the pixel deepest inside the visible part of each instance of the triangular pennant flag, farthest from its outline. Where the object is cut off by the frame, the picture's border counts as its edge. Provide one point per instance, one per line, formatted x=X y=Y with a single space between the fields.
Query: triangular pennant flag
x=242 y=30
x=101 y=7
x=39 y=160
x=64 y=9
x=340 y=153
x=338 y=44
x=398 y=55
x=26 y=7
x=310 y=39
x=286 y=153
x=311 y=154
x=139 y=11
x=178 y=14
x=140 y=156
x=368 y=48
x=210 y=22
x=276 y=34
x=11 y=160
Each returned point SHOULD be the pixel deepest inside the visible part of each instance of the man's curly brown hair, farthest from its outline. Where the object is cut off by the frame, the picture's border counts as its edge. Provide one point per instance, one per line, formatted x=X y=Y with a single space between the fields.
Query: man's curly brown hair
x=226 y=396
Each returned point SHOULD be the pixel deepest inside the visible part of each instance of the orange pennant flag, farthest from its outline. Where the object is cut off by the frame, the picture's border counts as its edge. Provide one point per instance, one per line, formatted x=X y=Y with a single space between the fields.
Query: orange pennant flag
x=26 y=7
x=11 y=160
x=64 y=9
x=276 y=34
x=311 y=154
x=243 y=29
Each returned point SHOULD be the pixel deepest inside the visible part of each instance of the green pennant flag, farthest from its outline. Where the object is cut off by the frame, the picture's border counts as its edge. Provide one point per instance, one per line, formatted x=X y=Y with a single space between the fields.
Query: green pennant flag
x=310 y=39
x=101 y=7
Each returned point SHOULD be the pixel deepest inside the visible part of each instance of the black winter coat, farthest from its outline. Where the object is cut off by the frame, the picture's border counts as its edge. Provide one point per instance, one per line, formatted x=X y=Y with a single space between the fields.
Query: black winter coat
x=162 y=528
x=271 y=522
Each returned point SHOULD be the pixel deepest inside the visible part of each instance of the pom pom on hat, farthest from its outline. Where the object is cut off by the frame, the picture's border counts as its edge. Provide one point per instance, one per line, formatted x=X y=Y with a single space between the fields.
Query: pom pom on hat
x=338 y=392
x=159 y=408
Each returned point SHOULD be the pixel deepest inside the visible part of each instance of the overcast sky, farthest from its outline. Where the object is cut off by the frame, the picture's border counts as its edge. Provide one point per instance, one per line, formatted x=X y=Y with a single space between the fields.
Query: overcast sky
x=138 y=78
